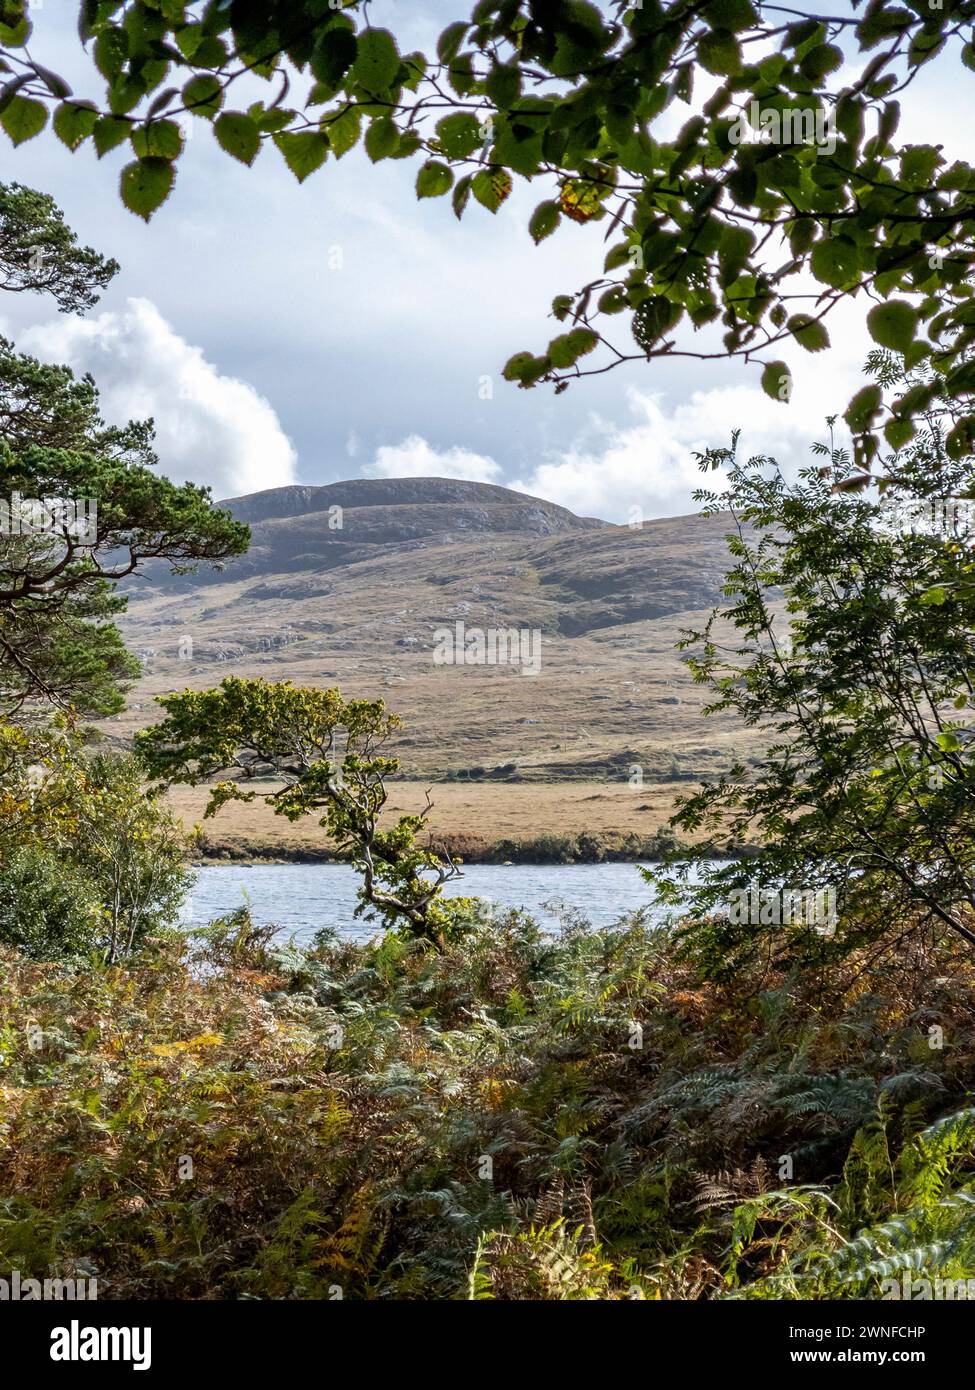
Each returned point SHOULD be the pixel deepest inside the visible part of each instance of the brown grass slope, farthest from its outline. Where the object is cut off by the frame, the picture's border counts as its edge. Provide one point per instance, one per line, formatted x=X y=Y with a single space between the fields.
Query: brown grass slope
x=358 y=607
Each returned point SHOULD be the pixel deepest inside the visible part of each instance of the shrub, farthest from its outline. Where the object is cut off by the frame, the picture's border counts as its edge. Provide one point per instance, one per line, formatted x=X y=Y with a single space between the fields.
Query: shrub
x=48 y=907
x=87 y=859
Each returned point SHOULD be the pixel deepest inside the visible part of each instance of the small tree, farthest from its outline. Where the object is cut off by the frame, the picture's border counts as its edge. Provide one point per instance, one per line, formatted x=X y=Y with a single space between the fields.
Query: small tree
x=49 y=909
x=326 y=753
x=39 y=253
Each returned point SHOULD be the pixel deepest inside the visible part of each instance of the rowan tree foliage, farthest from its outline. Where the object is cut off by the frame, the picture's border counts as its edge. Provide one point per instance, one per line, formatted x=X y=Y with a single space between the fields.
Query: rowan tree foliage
x=327 y=755
x=748 y=242
x=849 y=637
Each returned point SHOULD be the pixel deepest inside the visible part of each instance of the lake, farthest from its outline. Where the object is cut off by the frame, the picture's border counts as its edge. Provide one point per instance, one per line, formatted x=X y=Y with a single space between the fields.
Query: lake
x=302 y=898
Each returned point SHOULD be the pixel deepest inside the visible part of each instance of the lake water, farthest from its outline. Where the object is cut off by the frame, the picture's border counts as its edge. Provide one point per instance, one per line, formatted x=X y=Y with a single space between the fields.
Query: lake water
x=302 y=898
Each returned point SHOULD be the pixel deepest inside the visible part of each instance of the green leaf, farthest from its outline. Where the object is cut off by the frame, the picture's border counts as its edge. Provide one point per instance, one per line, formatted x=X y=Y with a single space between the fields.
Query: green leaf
x=146 y=184
x=448 y=45
x=567 y=348
x=961 y=379
x=719 y=53
x=188 y=38
x=203 y=94
x=491 y=189
x=743 y=186
x=416 y=65
x=544 y=221
x=162 y=138
x=271 y=122
x=730 y=14
x=612 y=301
x=10 y=89
x=74 y=122
x=801 y=234
x=459 y=135
x=898 y=432
x=864 y=406
x=334 y=54
x=960 y=441
x=503 y=85
x=525 y=368
x=211 y=52
x=461 y=195
x=382 y=137
x=836 y=262
x=110 y=52
x=342 y=130
x=519 y=144
x=461 y=74
x=238 y=134
x=109 y=132
x=820 y=61
x=408 y=143
x=653 y=318
x=304 y=151
x=23 y=119
x=777 y=381
x=808 y=333
x=15 y=34
x=377 y=61
x=433 y=180
x=893 y=324
x=918 y=163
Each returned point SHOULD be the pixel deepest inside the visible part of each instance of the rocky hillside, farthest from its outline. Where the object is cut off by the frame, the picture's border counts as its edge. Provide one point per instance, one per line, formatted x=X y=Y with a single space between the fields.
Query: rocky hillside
x=477 y=504
x=313 y=528
x=350 y=584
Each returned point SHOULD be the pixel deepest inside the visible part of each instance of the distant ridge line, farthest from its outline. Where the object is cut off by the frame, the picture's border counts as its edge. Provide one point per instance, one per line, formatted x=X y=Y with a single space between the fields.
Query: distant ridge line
x=298 y=499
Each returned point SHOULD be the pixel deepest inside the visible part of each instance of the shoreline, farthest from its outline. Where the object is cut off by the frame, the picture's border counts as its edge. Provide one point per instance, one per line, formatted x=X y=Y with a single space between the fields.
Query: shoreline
x=492 y=823
x=503 y=855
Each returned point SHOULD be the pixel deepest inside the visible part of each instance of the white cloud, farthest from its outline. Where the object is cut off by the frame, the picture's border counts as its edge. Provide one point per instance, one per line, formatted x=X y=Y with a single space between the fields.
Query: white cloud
x=210 y=428
x=648 y=462
x=415 y=458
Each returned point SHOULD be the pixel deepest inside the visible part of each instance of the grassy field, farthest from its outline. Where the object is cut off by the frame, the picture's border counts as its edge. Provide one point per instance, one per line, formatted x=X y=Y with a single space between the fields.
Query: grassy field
x=610 y=607
x=535 y=768
x=539 y=821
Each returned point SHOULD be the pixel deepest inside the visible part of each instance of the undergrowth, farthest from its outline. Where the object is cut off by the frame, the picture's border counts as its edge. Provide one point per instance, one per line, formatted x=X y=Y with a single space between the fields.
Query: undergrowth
x=515 y=1117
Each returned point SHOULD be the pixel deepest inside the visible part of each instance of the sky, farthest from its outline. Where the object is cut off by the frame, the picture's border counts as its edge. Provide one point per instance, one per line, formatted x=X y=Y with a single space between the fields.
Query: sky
x=311 y=333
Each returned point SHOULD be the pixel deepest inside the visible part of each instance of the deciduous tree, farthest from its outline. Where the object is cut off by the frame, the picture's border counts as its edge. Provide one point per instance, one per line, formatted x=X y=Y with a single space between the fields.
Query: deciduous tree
x=326 y=754
x=849 y=637
x=743 y=158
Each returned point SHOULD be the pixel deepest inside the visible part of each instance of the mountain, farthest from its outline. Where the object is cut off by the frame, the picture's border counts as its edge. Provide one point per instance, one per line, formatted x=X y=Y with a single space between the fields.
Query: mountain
x=320 y=528
x=478 y=506
x=355 y=583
